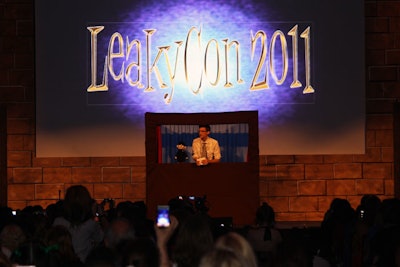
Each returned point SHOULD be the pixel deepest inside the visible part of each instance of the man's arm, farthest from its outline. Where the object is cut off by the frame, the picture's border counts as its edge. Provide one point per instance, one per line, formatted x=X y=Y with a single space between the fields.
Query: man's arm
x=216 y=153
x=195 y=150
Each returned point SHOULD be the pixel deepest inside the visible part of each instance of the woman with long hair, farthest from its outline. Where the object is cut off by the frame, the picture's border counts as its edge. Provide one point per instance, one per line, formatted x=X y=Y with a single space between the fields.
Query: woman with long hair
x=78 y=218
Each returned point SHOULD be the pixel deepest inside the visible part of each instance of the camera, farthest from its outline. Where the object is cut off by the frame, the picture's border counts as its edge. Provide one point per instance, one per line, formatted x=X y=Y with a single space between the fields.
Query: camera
x=198 y=204
x=362 y=214
x=163 y=216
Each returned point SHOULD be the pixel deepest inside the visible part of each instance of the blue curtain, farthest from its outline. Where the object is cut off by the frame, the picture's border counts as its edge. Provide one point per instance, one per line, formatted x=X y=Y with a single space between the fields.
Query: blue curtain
x=233 y=140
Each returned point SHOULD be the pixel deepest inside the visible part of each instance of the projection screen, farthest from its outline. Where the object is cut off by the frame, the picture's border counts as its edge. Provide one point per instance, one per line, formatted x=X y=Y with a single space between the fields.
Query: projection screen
x=101 y=65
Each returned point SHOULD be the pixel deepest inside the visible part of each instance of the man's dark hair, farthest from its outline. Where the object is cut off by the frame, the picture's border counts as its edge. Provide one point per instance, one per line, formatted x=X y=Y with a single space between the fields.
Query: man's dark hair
x=207 y=126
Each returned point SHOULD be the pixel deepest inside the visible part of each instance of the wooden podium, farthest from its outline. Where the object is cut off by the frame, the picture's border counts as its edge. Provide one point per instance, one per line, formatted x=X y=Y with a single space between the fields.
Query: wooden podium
x=231 y=189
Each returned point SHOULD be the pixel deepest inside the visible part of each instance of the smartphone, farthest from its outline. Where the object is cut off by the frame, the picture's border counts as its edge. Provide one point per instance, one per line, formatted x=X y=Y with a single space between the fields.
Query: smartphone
x=163 y=216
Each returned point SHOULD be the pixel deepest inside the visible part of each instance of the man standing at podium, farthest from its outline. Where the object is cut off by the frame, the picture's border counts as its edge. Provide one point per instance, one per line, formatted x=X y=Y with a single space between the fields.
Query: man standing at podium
x=204 y=148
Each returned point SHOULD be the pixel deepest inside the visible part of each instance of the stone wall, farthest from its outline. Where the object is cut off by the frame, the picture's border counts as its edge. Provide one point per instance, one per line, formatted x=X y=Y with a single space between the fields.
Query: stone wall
x=299 y=187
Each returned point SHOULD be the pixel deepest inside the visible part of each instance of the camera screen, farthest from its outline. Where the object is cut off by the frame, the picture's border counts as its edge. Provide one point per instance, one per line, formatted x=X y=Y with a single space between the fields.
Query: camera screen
x=163 y=216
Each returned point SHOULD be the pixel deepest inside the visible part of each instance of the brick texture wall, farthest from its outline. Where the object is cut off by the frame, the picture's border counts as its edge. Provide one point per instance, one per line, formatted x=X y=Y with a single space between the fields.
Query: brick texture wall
x=299 y=187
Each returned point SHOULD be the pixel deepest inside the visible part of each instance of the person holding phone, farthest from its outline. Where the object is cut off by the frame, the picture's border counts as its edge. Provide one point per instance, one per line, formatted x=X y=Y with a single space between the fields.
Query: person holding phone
x=163 y=235
x=205 y=149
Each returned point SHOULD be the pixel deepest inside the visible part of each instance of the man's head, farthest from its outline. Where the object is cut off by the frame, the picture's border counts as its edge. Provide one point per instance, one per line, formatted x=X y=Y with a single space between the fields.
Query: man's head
x=204 y=131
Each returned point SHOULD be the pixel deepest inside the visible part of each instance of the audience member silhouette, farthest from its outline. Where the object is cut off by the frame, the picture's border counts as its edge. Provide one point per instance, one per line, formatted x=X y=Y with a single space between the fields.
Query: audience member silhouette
x=78 y=219
x=295 y=249
x=36 y=253
x=139 y=252
x=263 y=236
x=367 y=225
x=53 y=211
x=102 y=256
x=6 y=216
x=385 y=245
x=223 y=258
x=118 y=230
x=194 y=238
x=58 y=245
x=336 y=234
x=31 y=253
x=235 y=242
x=181 y=208
x=136 y=213
x=33 y=220
x=11 y=237
x=4 y=260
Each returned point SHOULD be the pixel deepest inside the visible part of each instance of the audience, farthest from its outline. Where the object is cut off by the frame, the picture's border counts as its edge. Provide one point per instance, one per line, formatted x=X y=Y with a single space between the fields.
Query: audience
x=67 y=234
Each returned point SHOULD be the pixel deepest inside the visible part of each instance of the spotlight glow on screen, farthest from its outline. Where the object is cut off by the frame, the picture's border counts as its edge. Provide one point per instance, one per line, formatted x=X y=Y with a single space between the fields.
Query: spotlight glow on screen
x=101 y=65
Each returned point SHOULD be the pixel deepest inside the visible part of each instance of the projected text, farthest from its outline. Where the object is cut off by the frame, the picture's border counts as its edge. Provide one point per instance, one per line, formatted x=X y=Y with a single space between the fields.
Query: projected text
x=205 y=62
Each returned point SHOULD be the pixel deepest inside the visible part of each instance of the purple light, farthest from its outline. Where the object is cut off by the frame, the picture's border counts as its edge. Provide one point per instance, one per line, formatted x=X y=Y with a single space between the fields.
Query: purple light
x=217 y=21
